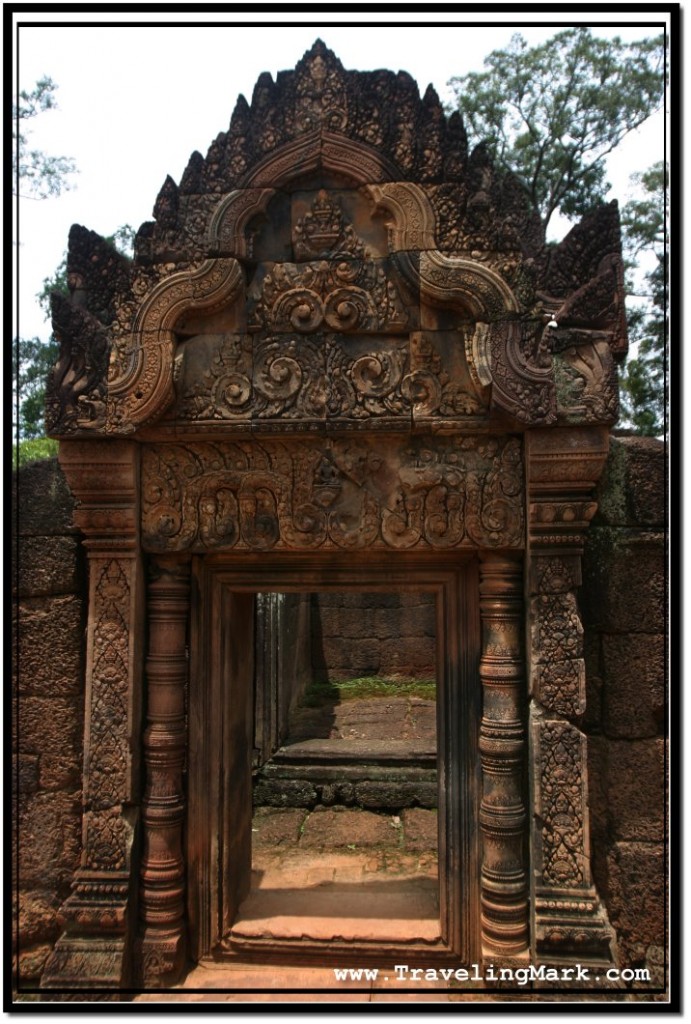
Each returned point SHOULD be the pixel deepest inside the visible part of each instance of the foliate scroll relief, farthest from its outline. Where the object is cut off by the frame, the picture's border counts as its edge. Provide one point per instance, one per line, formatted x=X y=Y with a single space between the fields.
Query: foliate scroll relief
x=521 y=371
x=586 y=384
x=106 y=766
x=403 y=494
x=561 y=805
x=343 y=295
x=108 y=836
x=558 y=674
x=327 y=376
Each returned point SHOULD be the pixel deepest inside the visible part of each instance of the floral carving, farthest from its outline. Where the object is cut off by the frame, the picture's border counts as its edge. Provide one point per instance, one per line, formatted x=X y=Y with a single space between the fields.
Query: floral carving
x=558 y=629
x=106 y=758
x=561 y=806
x=434 y=493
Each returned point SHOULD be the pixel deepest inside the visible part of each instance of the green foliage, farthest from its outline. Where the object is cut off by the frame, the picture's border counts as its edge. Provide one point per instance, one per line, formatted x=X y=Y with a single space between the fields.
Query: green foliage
x=123 y=239
x=32 y=360
x=318 y=693
x=552 y=113
x=644 y=389
x=36 y=175
x=31 y=451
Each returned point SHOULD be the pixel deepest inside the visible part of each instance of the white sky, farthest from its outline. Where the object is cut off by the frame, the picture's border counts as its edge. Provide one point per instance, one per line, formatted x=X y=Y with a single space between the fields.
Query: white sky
x=135 y=101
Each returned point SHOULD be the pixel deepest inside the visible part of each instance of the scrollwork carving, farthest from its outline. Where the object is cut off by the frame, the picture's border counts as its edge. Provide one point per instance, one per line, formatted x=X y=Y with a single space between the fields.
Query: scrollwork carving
x=434 y=493
x=561 y=806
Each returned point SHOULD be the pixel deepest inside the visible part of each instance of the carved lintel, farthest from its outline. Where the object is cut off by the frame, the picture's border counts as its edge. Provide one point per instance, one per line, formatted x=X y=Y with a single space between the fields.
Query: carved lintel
x=504 y=893
x=427 y=493
x=161 y=946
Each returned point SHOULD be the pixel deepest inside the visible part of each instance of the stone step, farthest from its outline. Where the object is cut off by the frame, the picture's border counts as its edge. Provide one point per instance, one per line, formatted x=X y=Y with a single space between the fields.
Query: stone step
x=420 y=753
x=386 y=911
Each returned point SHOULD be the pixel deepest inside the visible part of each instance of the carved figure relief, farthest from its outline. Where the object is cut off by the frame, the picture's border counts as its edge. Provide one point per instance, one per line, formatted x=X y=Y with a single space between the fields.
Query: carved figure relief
x=302 y=496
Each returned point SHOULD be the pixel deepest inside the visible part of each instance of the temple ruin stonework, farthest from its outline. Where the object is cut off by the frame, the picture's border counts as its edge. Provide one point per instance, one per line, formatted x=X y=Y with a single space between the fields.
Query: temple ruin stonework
x=342 y=358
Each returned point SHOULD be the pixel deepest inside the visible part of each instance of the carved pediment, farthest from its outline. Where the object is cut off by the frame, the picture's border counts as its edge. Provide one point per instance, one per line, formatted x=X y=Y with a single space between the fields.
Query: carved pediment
x=339 y=260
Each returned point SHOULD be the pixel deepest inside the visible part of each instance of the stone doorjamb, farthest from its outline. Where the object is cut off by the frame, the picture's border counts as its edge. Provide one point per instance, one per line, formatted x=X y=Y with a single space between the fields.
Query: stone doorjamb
x=569 y=922
x=99 y=918
x=221 y=670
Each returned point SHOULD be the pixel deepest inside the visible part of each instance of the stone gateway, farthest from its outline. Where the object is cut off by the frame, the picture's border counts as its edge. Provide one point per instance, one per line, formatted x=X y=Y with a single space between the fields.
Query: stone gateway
x=343 y=357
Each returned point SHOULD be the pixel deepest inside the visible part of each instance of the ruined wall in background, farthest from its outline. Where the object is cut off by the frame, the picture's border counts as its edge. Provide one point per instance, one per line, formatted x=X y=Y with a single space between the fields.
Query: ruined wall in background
x=623 y=606
x=363 y=634
x=49 y=618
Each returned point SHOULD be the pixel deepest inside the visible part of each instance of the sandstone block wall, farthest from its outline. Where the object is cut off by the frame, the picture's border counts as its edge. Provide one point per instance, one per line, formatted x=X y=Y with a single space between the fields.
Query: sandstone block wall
x=366 y=634
x=623 y=610
x=49 y=618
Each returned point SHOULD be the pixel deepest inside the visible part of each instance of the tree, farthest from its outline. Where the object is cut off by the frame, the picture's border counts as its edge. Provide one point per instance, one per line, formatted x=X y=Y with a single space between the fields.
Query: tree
x=644 y=381
x=37 y=175
x=32 y=361
x=552 y=113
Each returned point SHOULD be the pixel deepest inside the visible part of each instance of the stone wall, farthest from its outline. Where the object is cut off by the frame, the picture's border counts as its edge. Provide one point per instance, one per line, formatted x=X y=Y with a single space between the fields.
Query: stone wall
x=623 y=610
x=366 y=634
x=49 y=619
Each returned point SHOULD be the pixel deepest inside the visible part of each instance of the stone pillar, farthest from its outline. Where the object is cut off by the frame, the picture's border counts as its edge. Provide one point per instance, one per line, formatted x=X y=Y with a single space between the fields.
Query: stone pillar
x=98 y=918
x=161 y=946
x=570 y=924
x=504 y=890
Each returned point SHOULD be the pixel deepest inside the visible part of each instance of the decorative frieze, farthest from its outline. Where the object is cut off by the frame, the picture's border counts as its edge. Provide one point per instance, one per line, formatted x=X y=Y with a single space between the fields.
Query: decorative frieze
x=422 y=493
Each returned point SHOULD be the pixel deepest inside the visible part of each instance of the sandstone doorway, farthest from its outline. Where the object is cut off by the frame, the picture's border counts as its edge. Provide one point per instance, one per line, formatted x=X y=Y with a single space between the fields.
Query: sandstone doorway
x=237 y=906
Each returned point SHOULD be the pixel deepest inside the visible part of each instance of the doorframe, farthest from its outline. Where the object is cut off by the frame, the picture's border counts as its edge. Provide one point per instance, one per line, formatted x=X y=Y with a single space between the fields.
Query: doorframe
x=223 y=587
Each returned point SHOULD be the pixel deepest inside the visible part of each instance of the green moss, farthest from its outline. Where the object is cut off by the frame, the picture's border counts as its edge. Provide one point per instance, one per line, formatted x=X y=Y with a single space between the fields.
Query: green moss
x=335 y=692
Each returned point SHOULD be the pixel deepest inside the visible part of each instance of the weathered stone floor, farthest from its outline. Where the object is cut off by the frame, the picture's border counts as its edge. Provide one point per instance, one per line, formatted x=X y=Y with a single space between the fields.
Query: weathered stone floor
x=343 y=874
x=327 y=874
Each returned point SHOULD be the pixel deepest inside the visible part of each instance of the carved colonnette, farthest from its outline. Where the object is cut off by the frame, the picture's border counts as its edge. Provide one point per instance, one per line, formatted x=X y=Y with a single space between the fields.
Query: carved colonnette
x=504 y=889
x=99 y=917
x=161 y=945
x=569 y=921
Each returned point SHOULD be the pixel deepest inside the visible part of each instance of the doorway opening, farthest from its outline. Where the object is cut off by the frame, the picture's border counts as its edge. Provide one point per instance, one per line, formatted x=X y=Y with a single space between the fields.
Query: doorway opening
x=345 y=823
x=333 y=774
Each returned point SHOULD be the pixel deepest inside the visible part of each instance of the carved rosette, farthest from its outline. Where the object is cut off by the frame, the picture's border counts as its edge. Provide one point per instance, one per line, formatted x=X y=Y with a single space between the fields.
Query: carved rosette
x=98 y=916
x=504 y=890
x=426 y=493
x=563 y=467
x=161 y=945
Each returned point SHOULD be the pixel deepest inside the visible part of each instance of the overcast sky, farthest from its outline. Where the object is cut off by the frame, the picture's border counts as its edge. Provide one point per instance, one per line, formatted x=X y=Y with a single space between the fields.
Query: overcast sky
x=135 y=101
